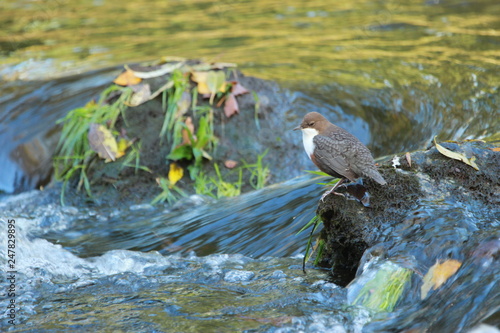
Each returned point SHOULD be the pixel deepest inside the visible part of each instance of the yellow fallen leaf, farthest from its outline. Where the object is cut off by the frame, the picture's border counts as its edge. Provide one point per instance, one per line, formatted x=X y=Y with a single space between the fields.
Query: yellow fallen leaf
x=456 y=156
x=201 y=79
x=175 y=174
x=127 y=78
x=102 y=142
x=216 y=81
x=437 y=275
x=210 y=82
x=122 y=146
x=154 y=71
x=141 y=94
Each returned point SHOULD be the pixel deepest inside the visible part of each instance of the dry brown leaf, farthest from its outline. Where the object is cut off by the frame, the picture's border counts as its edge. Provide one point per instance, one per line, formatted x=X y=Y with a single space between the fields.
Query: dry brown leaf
x=230 y=164
x=495 y=149
x=408 y=159
x=183 y=104
x=142 y=94
x=186 y=138
x=457 y=156
x=237 y=89
x=438 y=274
x=231 y=106
x=127 y=78
x=102 y=142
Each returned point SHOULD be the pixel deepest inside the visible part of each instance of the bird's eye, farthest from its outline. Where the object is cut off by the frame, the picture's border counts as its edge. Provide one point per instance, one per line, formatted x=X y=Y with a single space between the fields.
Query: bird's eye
x=311 y=123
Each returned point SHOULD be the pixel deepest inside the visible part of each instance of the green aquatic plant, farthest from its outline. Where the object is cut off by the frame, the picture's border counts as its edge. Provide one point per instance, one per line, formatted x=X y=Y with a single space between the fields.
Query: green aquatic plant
x=169 y=191
x=383 y=290
x=171 y=103
x=194 y=149
x=320 y=243
x=73 y=153
x=259 y=173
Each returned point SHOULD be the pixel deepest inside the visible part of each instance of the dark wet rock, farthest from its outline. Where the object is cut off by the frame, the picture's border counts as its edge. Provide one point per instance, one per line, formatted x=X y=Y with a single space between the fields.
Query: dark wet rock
x=434 y=210
x=264 y=122
x=29 y=135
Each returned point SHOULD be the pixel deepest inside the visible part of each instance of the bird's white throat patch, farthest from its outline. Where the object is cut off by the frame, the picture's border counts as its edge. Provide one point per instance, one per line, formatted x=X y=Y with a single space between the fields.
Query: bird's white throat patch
x=308 y=135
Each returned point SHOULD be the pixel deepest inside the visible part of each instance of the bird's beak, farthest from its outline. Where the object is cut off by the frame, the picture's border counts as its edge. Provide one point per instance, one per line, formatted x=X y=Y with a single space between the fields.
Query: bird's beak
x=297 y=128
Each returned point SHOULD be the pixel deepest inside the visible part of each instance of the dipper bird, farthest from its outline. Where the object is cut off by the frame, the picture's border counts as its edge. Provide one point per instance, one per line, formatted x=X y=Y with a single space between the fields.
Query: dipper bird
x=336 y=151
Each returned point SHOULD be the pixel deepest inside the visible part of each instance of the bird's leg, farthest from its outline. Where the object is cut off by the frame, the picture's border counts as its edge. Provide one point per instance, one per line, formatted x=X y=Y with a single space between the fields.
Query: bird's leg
x=332 y=190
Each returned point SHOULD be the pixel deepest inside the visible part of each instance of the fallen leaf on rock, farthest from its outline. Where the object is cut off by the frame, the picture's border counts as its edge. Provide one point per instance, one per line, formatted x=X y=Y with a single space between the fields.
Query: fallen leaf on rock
x=122 y=146
x=438 y=274
x=183 y=104
x=164 y=87
x=237 y=89
x=174 y=174
x=230 y=164
x=275 y=321
x=216 y=81
x=231 y=106
x=216 y=65
x=456 y=156
x=154 y=71
x=102 y=142
x=495 y=149
x=408 y=159
x=127 y=78
x=209 y=83
x=201 y=79
x=142 y=94
x=186 y=136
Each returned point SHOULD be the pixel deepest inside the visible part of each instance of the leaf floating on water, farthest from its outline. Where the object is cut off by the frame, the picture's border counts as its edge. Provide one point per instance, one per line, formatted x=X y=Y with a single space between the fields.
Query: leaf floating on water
x=175 y=174
x=438 y=274
x=127 y=78
x=456 y=156
x=102 y=142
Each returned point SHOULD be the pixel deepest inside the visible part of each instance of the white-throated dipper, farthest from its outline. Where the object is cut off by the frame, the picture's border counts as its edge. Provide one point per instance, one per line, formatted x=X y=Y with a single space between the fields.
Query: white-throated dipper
x=336 y=151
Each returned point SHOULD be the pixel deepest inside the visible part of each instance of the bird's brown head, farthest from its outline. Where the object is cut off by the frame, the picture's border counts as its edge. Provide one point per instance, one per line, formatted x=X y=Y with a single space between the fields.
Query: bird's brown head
x=313 y=120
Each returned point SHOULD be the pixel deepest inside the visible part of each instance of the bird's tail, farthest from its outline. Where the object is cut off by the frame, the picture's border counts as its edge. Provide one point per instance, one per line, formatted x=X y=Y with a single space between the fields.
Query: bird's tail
x=376 y=176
